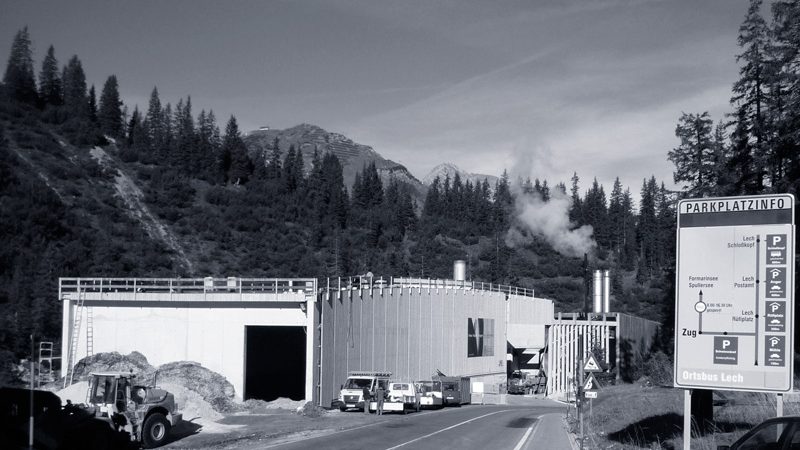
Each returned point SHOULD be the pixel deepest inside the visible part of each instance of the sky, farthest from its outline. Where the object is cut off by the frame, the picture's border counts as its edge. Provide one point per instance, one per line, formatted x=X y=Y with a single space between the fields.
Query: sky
x=539 y=88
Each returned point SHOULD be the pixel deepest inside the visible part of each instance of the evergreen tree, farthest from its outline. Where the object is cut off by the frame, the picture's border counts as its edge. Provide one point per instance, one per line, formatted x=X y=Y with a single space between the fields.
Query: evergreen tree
x=50 y=89
x=749 y=97
x=616 y=218
x=75 y=99
x=785 y=106
x=110 y=113
x=155 y=123
x=185 y=139
x=274 y=166
x=19 y=77
x=695 y=158
x=647 y=231
x=235 y=161
x=595 y=212
x=576 y=209
x=92 y=105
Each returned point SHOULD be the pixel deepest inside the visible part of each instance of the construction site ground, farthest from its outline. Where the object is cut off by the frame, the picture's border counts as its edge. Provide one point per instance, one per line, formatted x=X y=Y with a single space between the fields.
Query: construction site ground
x=248 y=430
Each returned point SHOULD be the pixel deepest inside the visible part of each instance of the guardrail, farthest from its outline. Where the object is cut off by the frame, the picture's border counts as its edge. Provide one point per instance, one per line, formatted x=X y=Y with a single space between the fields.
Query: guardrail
x=367 y=282
x=188 y=285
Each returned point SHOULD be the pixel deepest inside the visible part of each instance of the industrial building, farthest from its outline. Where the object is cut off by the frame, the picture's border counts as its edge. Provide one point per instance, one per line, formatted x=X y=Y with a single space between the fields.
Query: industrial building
x=416 y=328
x=292 y=338
x=238 y=327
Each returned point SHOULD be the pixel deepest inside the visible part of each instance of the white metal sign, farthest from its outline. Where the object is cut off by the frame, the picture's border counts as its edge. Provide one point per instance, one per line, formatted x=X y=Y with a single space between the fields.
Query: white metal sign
x=735 y=293
x=592 y=365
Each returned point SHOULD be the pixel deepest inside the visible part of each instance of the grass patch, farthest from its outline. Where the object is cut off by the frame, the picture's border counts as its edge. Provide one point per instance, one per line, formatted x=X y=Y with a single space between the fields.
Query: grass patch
x=632 y=416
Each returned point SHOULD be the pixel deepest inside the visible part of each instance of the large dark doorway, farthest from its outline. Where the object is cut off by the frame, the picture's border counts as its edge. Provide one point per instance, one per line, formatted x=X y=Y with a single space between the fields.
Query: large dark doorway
x=275 y=362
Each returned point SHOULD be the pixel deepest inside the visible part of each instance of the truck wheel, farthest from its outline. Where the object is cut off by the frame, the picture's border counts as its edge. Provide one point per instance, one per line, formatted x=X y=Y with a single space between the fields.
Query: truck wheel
x=155 y=430
x=342 y=409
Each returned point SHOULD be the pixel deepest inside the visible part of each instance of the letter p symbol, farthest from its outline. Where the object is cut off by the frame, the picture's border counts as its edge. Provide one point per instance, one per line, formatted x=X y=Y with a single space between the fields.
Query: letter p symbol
x=777 y=239
x=725 y=344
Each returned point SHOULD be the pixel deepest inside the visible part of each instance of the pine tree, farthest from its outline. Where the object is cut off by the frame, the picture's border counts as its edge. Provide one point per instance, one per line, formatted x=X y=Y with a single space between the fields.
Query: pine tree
x=749 y=96
x=50 y=88
x=155 y=123
x=92 y=105
x=576 y=209
x=19 y=77
x=185 y=139
x=616 y=218
x=234 y=155
x=110 y=113
x=785 y=105
x=75 y=99
x=647 y=230
x=694 y=158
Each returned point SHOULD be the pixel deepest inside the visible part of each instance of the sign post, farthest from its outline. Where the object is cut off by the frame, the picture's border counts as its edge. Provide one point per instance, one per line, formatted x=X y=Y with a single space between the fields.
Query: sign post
x=734 y=283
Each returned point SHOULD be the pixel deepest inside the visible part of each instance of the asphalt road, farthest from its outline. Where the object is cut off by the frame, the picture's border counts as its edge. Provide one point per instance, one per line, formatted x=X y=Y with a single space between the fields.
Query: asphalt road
x=512 y=427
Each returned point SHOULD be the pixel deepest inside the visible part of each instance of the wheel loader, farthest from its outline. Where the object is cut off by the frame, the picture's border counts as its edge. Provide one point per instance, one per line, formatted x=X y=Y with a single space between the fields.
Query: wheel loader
x=145 y=412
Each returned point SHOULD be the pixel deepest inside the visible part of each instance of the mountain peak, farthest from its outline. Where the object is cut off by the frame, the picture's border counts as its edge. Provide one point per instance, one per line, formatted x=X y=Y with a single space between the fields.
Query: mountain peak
x=353 y=156
x=445 y=170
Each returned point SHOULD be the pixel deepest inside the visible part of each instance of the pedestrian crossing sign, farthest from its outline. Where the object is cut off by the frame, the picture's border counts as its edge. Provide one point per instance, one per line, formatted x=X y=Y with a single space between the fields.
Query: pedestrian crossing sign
x=592 y=365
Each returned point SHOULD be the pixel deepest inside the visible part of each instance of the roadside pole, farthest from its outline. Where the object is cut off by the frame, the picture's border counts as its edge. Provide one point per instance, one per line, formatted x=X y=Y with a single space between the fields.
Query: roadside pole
x=30 y=423
x=687 y=419
x=579 y=399
x=780 y=405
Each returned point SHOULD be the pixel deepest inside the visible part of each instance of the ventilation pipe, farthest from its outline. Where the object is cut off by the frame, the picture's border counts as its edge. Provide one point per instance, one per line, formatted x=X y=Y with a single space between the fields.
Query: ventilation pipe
x=460 y=270
x=602 y=291
x=597 y=285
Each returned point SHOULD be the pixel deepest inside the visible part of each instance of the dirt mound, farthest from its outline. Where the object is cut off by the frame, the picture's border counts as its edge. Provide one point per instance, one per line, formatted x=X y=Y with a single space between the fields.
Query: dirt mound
x=211 y=386
x=111 y=362
x=309 y=409
x=190 y=403
x=76 y=393
x=196 y=386
x=256 y=406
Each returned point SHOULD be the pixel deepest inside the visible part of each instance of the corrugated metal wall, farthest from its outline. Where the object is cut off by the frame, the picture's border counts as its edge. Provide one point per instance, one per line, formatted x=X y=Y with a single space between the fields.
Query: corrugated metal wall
x=409 y=331
x=563 y=351
x=621 y=337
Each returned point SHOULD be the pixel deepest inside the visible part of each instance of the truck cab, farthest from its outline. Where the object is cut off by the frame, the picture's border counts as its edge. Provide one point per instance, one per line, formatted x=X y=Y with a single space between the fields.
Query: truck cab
x=351 y=394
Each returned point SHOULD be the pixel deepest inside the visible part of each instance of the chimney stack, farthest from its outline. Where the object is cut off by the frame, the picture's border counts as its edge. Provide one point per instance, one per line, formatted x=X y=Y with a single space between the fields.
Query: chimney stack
x=460 y=270
x=602 y=291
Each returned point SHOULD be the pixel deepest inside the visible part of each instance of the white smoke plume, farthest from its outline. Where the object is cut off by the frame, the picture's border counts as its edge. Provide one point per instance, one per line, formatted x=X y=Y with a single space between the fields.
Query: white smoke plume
x=549 y=220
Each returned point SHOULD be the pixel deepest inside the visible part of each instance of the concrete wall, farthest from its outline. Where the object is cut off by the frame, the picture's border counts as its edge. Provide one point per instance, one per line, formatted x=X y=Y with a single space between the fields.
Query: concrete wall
x=208 y=332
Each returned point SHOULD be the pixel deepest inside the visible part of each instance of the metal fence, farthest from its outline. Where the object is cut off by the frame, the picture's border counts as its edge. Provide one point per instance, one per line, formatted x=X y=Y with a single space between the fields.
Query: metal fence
x=371 y=282
x=188 y=285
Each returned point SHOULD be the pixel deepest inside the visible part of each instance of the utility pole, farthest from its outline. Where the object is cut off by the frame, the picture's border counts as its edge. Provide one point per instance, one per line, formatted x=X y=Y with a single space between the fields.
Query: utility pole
x=579 y=399
x=33 y=374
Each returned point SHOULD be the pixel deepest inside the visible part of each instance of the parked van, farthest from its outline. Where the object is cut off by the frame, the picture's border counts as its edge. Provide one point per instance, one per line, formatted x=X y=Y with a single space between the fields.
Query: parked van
x=402 y=397
x=351 y=394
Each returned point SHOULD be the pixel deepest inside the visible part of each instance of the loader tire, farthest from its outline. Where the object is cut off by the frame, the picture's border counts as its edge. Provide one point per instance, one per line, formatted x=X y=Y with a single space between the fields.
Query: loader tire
x=155 y=431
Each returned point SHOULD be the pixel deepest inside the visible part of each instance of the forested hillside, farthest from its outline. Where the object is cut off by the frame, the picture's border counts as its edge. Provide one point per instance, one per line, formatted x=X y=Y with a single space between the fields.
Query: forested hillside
x=92 y=187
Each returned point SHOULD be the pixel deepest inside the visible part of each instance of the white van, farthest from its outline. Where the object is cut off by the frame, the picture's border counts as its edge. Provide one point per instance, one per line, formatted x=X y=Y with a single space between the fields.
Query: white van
x=402 y=397
x=351 y=394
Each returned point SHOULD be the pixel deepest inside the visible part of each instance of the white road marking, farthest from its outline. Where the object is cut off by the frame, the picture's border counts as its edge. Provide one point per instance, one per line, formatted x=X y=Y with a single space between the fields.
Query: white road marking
x=448 y=428
x=531 y=431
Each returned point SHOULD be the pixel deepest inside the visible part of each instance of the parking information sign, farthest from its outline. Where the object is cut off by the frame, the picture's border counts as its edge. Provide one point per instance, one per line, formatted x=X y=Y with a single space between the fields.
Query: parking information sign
x=734 y=293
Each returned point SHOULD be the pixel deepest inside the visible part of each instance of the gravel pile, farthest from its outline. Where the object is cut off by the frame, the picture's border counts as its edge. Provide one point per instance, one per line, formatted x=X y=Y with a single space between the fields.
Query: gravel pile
x=203 y=392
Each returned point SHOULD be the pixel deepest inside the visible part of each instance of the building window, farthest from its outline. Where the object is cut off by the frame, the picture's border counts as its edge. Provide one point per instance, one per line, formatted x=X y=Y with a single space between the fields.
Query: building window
x=480 y=337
